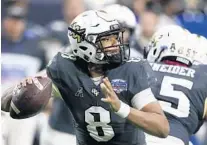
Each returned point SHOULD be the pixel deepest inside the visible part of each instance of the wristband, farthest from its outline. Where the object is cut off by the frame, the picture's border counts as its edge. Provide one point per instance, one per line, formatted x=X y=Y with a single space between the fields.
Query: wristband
x=124 y=110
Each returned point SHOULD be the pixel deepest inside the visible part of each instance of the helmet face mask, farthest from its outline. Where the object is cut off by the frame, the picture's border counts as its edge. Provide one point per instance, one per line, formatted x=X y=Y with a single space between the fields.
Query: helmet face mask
x=88 y=35
x=111 y=45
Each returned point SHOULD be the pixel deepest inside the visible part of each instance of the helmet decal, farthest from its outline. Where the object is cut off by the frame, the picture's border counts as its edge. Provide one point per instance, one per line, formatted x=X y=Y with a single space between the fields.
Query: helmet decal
x=78 y=33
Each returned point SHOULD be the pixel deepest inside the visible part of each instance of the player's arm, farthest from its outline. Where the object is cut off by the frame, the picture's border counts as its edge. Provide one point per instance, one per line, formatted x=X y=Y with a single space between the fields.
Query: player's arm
x=146 y=112
x=50 y=71
x=7 y=94
x=150 y=118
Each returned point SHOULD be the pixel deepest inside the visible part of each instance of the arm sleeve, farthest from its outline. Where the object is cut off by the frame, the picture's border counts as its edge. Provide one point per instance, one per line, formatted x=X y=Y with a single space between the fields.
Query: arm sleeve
x=144 y=81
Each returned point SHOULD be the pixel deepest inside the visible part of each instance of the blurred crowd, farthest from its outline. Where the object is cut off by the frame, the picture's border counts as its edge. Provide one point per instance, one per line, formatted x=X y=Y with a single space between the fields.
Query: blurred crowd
x=33 y=31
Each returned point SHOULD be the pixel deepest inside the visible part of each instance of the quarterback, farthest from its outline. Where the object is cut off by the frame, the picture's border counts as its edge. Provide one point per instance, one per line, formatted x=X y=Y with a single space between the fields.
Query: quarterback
x=108 y=94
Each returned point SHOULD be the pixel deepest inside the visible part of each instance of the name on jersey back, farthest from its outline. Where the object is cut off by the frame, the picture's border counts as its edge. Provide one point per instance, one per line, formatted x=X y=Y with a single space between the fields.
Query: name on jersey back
x=184 y=71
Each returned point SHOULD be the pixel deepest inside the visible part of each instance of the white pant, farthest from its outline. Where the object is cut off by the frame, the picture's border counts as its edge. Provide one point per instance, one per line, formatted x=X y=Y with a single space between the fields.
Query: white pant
x=170 y=140
x=50 y=136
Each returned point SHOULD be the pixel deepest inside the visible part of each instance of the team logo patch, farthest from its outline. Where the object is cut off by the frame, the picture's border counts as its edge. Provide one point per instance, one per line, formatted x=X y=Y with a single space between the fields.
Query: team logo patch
x=119 y=85
x=95 y=92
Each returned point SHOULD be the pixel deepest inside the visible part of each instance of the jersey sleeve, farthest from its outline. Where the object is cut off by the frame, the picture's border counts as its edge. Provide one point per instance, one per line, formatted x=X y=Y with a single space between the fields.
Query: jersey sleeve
x=52 y=73
x=143 y=81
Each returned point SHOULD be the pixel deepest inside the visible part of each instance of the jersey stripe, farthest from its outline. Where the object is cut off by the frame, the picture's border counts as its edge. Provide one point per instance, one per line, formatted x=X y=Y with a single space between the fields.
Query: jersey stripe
x=143 y=98
x=205 y=109
x=16 y=110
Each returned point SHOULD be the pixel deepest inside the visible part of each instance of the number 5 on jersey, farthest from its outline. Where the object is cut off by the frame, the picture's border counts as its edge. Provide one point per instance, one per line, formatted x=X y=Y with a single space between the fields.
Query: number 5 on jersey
x=173 y=101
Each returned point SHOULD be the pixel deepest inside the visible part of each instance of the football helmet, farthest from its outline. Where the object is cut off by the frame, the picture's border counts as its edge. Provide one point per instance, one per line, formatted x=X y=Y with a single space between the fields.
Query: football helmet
x=85 y=35
x=200 y=46
x=169 y=43
x=123 y=14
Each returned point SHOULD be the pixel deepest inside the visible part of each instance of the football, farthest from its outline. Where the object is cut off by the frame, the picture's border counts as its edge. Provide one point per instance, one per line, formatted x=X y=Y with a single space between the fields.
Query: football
x=30 y=100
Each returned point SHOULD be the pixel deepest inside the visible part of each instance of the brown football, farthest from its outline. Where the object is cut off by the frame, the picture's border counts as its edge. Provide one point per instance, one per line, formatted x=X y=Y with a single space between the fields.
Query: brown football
x=29 y=100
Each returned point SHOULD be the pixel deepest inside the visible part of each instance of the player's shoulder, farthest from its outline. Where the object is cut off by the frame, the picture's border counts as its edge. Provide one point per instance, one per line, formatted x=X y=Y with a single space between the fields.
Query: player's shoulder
x=61 y=63
x=201 y=69
x=136 y=64
x=140 y=68
x=53 y=62
x=135 y=61
x=59 y=59
x=201 y=73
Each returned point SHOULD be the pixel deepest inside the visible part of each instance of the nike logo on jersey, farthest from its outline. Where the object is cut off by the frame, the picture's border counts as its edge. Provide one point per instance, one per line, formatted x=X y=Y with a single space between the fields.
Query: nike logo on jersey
x=79 y=93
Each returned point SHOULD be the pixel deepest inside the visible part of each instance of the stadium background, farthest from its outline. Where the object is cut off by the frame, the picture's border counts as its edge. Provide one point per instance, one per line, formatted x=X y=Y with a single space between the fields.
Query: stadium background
x=33 y=31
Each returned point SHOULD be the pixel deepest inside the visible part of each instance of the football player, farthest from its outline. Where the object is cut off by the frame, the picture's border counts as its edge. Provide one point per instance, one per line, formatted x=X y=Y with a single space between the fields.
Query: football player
x=182 y=86
x=109 y=95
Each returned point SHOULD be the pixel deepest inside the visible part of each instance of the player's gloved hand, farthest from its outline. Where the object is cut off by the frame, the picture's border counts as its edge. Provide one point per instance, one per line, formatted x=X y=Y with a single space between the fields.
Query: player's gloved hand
x=110 y=95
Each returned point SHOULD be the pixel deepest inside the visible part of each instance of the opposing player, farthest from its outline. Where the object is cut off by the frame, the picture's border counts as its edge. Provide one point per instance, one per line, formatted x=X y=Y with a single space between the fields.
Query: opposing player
x=108 y=95
x=182 y=86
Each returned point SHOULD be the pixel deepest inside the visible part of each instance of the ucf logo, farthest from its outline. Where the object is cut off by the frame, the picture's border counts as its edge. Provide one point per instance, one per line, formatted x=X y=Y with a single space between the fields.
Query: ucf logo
x=78 y=29
x=95 y=92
